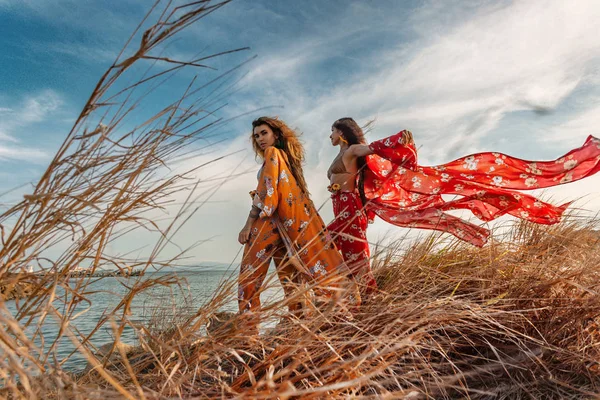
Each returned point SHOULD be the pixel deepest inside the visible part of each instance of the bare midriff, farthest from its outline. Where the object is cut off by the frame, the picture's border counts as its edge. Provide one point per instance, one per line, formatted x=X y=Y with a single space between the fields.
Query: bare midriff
x=342 y=175
x=346 y=181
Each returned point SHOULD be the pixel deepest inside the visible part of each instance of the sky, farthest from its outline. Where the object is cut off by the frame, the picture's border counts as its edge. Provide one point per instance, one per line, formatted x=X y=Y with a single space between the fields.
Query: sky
x=519 y=77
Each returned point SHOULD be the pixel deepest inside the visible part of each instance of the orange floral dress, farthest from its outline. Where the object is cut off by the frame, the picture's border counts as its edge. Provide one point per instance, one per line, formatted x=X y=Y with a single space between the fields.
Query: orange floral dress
x=288 y=226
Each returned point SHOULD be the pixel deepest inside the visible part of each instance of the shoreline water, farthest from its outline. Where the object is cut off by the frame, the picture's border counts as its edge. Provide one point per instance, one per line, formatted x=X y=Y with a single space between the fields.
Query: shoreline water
x=168 y=302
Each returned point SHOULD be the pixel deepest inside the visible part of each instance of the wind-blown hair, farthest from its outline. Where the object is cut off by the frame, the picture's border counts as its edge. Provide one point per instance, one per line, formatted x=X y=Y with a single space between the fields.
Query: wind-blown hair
x=287 y=140
x=354 y=134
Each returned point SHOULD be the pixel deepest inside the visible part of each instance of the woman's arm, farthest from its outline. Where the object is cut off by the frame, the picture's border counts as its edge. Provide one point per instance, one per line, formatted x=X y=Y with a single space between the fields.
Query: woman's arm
x=398 y=148
x=267 y=192
x=244 y=234
x=359 y=150
x=355 y=151
x=266 y=196
x=403 y=138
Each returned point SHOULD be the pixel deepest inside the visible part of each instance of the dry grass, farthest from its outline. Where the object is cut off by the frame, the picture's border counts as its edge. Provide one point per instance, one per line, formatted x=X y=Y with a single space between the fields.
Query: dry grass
x=516 y=319
x=108 y=179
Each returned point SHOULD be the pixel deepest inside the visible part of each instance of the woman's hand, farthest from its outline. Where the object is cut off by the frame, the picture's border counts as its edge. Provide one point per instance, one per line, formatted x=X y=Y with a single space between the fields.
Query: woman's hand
x=244 y=235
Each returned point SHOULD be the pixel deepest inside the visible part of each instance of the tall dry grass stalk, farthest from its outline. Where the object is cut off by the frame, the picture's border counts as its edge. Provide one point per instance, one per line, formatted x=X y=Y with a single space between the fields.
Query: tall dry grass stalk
x=106 y=180
x=516 y=319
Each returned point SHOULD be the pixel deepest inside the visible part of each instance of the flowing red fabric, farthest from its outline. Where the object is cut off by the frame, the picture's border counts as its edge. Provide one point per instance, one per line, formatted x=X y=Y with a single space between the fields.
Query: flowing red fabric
x=406 y=194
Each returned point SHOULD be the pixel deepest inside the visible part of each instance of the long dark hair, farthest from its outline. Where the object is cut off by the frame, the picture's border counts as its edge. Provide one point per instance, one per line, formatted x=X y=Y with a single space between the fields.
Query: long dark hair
x=287 y=140
x=354 y=134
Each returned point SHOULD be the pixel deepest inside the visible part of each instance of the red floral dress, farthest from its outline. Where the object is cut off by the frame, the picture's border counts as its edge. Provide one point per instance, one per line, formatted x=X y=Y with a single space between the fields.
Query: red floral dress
x=349 y=229
x=406 y=194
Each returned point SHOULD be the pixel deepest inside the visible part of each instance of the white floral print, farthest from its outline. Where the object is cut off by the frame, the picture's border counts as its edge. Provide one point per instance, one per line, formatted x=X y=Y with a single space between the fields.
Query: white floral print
x=416 y=182
x=269 y=184
x=283 y=176
x=318 y=267
x=570 y=164
x=567 y=178
x=533 y=169
x=470 y=163
x=530 y=182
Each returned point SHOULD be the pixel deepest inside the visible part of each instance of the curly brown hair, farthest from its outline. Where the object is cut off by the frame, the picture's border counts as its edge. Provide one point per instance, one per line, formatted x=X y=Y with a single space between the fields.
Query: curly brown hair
x=351 y=131
x=288 y=142
x=354 y=134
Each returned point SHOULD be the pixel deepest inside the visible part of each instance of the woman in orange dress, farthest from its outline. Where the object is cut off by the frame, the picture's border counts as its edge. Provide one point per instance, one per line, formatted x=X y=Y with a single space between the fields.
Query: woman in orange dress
x=283 y=224
x=406 y=194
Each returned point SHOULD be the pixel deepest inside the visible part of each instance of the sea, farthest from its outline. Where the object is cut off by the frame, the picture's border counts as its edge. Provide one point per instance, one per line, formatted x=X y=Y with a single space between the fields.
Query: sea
x=153 y=306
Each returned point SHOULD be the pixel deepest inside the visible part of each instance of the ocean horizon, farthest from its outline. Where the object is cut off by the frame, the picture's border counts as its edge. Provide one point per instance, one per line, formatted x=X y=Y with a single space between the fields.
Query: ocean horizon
x=198 y=285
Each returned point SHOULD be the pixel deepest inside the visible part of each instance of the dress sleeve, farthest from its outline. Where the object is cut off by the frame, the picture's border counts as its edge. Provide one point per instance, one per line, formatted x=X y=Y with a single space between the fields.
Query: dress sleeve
x=266 y=197
x=393 y=149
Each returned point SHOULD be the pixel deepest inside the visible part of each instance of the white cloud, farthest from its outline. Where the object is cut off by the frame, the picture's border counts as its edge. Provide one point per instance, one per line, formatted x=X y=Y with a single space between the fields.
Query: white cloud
x=574 y=130
x=470 y=67
x=18 y=153
x=98 y=53
x=38 y=107
x=512 y=59
x=452 y=72
x=32 y=109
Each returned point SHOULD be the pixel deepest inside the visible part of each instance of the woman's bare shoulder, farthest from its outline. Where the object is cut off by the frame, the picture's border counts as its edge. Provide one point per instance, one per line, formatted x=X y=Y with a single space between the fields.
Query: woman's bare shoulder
x=358 y=150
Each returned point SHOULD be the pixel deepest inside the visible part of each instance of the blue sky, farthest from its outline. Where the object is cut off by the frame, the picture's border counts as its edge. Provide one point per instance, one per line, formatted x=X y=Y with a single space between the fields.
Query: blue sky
x=520 y=77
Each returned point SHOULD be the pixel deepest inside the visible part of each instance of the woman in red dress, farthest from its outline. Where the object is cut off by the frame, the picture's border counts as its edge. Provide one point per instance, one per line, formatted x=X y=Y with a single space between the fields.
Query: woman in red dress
x=349 y=227
x=403 y=193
